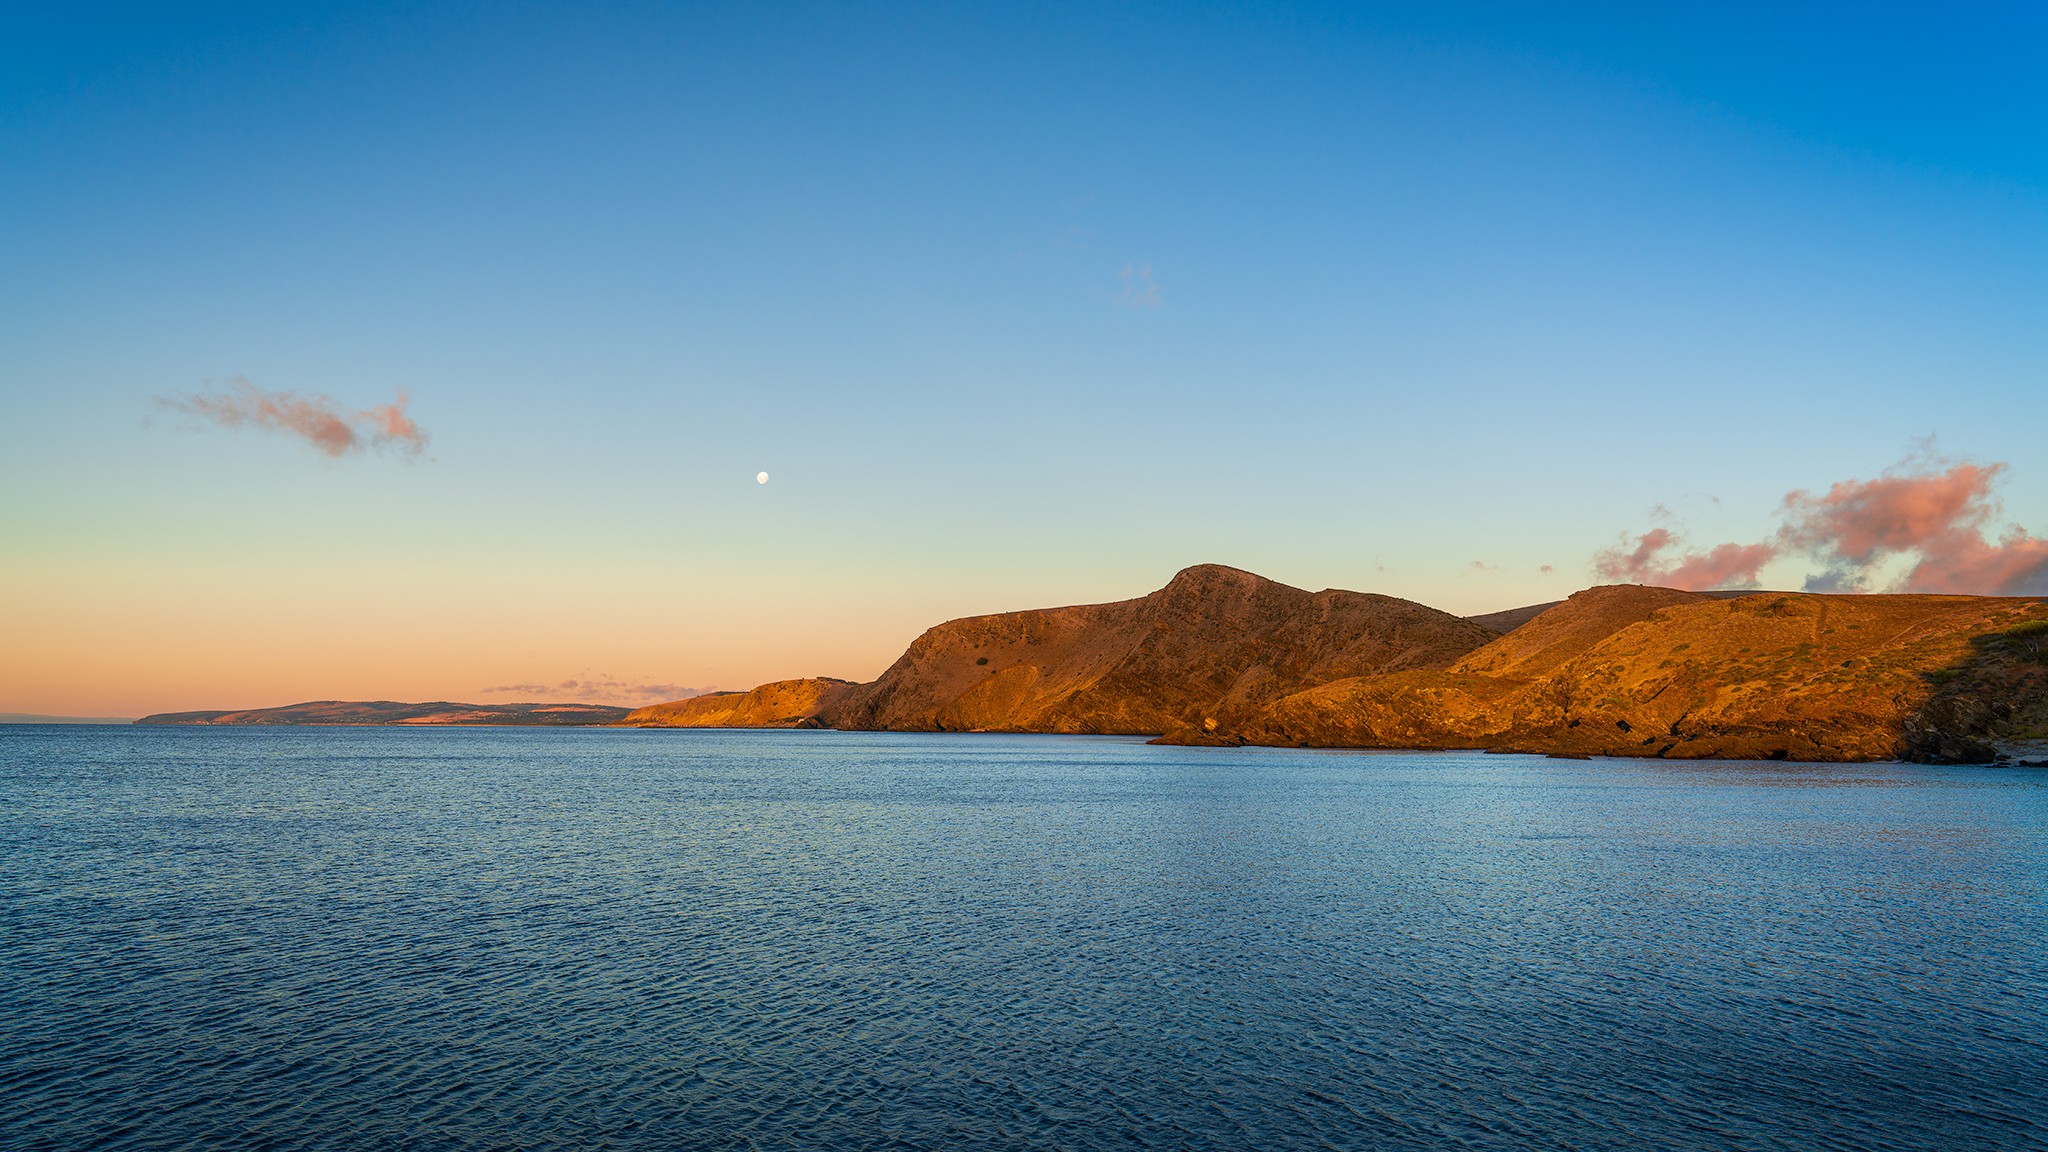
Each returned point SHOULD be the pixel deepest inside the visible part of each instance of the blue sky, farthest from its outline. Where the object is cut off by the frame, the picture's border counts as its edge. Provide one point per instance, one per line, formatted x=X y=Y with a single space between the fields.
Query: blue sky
x=1018 y=307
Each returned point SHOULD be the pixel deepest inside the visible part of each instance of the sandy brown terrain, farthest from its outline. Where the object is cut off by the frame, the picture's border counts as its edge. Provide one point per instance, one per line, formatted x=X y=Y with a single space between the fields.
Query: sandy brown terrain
x=1629 y=671
x=781 y=704
x=1210 y=649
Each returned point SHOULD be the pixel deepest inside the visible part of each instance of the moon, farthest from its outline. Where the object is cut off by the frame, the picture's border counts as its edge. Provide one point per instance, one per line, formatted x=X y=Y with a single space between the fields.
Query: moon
x=760 y=477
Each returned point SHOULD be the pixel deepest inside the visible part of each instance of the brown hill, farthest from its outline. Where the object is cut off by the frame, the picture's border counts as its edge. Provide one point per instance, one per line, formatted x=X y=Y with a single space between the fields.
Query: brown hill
x=1653 y=672
x=1209 y=650
x=782 y=704
x=394 y=712
x=1570 y=627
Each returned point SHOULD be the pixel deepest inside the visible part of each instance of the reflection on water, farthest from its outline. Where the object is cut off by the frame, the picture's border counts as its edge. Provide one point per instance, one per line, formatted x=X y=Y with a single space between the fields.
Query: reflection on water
x=643 y=939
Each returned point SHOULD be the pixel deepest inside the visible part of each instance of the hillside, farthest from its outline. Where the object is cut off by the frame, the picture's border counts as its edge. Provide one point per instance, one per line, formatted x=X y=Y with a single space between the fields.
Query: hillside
x=782 y=704
x=393 y=712
x=1210 y=649
x=1652 y=672
x=1510 y=619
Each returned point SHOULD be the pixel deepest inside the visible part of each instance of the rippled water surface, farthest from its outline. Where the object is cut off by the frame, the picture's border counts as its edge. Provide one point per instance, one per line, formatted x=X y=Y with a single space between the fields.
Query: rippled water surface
x=368 y=938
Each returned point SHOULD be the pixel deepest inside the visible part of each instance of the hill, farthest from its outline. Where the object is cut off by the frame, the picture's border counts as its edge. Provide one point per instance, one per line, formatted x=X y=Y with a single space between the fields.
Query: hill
x=1210 y=649
x=781 y=704
x=393 y=712
x=1629 y=671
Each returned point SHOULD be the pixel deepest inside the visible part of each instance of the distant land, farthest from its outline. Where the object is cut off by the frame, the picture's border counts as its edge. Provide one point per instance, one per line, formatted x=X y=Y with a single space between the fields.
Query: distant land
x=1225 y=657
x=34 y=718
x=393 y=712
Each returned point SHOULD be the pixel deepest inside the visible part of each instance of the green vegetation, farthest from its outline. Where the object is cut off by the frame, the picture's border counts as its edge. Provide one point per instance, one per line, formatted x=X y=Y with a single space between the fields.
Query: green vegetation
x=2027 y=640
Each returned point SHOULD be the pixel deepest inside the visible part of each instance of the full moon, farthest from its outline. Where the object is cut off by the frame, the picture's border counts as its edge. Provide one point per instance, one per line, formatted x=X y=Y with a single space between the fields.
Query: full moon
x=760 y=477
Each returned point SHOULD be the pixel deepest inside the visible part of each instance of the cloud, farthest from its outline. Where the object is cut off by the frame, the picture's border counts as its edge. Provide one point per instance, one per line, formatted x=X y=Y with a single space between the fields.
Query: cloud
x=1722 y=566
x=1936 y=518
x=1140 y=289
x=313 y=419
x=600 y=687
x=1928 y=514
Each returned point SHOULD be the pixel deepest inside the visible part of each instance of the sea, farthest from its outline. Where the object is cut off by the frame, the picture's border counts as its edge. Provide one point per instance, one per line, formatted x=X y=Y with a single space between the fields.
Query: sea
x=492 y=938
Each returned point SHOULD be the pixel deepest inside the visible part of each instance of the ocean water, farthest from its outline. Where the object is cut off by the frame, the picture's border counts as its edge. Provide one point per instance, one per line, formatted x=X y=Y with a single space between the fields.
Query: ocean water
x=503 y=938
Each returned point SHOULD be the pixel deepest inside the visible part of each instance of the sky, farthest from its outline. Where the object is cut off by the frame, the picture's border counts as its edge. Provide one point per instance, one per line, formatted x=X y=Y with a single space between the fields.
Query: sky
x=1017 y=305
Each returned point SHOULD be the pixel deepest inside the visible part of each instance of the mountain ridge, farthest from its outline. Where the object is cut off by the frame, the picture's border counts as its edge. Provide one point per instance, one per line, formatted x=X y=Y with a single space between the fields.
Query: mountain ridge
x=1223 y=656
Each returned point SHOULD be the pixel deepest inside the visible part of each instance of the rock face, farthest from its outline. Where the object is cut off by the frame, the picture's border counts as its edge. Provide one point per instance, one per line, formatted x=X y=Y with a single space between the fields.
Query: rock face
x=1630 y=671
x=1207 y=652
x=394 y=712
x=782 y=704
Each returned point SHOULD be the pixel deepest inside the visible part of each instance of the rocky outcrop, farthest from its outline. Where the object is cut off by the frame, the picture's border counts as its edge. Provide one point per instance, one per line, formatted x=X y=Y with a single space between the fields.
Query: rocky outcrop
x=781 y=704
x=1207 y=652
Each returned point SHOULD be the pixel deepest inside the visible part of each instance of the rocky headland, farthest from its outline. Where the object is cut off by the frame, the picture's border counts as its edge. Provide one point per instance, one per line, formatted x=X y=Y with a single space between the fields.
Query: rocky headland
x=1224 y=657
x=1221 y=656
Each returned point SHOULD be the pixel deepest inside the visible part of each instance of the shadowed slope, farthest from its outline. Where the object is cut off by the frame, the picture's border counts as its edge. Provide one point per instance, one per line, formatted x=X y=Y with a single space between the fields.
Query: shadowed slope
x=1507 y=620
x=1212 y=647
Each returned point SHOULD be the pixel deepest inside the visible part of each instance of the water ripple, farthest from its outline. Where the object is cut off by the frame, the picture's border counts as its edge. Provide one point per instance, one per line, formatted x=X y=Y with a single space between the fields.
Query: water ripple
x=371 y=938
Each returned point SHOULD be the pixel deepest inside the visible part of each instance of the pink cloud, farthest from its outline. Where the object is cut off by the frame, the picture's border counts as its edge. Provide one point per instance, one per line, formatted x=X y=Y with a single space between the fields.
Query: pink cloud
x=1722 y=566
x=313 y=419
x=1935 y=517
x=1939 y=518
x=1861 y=520
x=1965 y=562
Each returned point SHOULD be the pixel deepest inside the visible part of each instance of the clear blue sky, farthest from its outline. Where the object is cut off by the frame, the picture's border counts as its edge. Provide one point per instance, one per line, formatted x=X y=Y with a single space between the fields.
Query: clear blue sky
x=1017 y=307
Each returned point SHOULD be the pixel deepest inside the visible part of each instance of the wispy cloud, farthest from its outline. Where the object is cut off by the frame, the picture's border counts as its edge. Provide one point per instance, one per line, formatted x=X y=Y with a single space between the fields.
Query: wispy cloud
x=600 y=687
x=1932 y=516
x=312 y=418
x=1140 y=289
